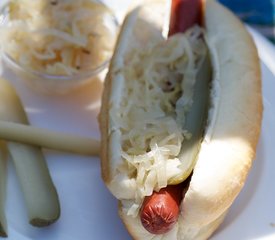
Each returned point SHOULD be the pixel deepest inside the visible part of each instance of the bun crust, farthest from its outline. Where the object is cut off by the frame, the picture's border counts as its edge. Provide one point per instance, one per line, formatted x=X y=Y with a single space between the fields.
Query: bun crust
x=231 y=139
x=232 y=134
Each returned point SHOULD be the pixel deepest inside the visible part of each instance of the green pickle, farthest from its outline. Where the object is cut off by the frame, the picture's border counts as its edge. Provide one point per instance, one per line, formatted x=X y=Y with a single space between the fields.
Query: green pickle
x=195 y=122
x=40 y=194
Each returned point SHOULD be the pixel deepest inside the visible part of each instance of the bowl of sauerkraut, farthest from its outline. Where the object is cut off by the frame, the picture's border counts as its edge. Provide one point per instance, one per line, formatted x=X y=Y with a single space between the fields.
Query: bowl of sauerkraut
x=56 y=46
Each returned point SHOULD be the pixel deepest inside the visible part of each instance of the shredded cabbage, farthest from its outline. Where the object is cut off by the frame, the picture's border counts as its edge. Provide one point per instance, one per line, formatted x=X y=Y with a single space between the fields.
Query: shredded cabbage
x=59 y=37
x=158 y=91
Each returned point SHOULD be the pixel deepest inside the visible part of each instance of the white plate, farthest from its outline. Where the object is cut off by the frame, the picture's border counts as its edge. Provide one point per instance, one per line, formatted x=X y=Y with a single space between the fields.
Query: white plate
x=90 y=212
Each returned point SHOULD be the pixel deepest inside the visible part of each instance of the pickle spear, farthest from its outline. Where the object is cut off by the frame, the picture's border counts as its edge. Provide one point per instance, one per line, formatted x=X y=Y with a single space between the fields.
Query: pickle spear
x=195 y=122
x=37 y=186
x=3 y=182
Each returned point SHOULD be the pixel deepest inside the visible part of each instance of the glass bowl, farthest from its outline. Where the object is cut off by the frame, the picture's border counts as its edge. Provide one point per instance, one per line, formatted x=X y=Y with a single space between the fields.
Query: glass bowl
x=54 y=84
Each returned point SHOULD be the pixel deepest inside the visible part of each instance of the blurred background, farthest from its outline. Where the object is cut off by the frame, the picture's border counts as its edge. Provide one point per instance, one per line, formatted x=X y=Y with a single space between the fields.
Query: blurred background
x=257 y=13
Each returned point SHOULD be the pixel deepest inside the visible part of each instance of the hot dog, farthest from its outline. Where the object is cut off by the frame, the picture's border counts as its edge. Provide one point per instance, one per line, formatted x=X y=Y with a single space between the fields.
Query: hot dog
x=184 y=14
x=155 y=93
x=160 y=211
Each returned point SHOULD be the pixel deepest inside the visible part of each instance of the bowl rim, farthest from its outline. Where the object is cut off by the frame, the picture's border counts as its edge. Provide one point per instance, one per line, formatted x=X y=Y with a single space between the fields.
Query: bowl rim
x=75 y=76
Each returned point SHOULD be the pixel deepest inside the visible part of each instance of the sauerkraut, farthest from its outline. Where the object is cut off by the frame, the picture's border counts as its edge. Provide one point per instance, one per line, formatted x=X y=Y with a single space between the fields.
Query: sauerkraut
x=157 y=94
x=59 y=37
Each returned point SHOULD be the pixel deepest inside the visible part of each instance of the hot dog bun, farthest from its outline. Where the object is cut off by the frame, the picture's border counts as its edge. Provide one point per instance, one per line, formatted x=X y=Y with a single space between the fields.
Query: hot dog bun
x=232 y=132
